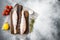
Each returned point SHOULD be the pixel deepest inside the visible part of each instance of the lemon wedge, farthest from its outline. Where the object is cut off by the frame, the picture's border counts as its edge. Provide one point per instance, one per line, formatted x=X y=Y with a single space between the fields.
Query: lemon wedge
x=5 y=26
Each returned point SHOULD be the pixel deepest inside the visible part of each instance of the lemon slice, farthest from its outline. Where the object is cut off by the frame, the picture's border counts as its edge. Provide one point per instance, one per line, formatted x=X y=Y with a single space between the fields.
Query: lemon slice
x=5 y=26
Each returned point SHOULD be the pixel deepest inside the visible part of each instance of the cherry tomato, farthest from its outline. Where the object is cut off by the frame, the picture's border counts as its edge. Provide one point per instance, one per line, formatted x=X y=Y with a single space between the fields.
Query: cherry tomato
x=3 y=13
x=6 y=13
x=7 y=7
x=10 y=7
x=5 y=10
x=8 y=10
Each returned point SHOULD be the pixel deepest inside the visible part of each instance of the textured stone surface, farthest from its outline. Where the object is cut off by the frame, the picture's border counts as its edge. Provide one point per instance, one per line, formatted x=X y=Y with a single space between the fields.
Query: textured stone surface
x=37 y=34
